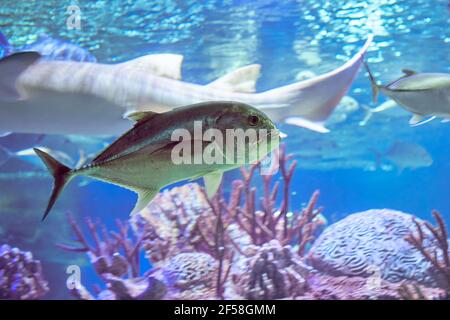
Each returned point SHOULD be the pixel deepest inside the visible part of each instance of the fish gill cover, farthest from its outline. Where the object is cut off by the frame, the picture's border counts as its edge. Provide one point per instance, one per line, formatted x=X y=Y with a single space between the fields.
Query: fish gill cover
x=261 y=236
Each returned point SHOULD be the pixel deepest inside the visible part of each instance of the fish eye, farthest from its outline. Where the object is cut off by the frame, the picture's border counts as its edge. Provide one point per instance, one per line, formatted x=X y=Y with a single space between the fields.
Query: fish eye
x=253 y=120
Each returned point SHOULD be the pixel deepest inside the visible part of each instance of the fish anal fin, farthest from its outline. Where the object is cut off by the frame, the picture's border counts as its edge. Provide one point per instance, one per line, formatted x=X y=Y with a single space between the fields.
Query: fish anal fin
x=11 y=67
x=212 y=182
x=163 y=65
x=239 y=80
x=145 y=196
x=307 y=124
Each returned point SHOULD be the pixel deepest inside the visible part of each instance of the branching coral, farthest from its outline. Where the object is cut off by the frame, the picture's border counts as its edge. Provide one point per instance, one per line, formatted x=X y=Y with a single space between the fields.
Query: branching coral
x=271 y=223
x=184 y=220
x=115 y=258
x=438 y=255
x=270 y=271
x=20 y=275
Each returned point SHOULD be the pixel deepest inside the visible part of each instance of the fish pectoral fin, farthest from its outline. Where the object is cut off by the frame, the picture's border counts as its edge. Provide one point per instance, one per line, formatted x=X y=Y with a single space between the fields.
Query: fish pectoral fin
x=307 y=124
x=408 y=72
x=239 y=80
x=145 y=196
x=139 y=116
x=163 y=65
x=418 y=120
x=212 y=182
x=11 y=67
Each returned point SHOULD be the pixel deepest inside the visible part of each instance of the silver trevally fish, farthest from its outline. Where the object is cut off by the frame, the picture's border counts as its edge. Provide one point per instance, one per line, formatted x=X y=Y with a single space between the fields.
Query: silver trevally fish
x=66 y=97
x=142 y=159
x=425 y=95
x=406 y=155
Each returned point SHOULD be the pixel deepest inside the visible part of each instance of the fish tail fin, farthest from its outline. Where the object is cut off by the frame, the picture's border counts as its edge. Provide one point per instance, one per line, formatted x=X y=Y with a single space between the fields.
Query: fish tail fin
x=368 y=115
x=314 y=99
x=373 y=83
x=378 y=157
x=61 y=175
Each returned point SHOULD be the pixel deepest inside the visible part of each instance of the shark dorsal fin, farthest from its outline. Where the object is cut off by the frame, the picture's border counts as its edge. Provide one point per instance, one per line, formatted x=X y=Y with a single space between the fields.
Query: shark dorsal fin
x=408 y=72
x=139 y=116
x=164 y=65
x=239 y=80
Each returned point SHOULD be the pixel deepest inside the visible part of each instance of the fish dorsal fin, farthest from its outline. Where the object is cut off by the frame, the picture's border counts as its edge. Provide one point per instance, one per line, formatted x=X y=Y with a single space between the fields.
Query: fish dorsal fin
x=239 y=80
x=11 y=67
x=408 y=72
x=145 y=196
x=139 y=116
x=212 y=182
x=164 y=65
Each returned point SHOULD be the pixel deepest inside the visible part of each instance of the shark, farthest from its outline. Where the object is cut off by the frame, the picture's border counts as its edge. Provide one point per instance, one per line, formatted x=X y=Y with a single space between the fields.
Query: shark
x=67 y=97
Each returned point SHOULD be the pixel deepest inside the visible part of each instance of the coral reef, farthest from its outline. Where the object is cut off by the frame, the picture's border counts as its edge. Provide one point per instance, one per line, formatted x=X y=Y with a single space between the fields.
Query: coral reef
x=327 y=287
x=372 y=242
x=239 y=230
x=235 y=246
x=271 y=271
x=115 y=258
x=21 y=276
x=250 y=244
x=437 y=253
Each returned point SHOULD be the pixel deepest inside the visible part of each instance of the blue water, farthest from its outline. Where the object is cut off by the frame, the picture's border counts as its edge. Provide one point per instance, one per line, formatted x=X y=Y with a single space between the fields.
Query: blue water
x=285 y=37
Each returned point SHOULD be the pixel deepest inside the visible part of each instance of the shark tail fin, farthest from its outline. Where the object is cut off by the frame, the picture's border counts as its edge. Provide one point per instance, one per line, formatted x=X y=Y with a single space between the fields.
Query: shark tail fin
x=373 y=84
x=368 y=115
x=61 y=175
x=314 y=99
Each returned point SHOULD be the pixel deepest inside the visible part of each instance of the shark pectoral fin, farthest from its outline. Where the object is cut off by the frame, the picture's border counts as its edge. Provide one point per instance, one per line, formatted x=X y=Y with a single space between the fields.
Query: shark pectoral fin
x=212 y=182
x=139 y=116
x=445 y=120
x=163 y=65
x=304 y=123
x=240 y=80
x=145 y=196
x=11 y=67
x=418 y=120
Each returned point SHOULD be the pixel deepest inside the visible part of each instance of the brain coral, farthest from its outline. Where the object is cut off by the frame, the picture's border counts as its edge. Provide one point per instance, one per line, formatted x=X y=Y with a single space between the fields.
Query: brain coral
x=372 y=243
x=187 y=270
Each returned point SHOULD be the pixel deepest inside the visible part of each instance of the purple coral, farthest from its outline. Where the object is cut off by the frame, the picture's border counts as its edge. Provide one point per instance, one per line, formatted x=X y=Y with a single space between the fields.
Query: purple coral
x=372 y=242
x=437 y=254
x=184 y=221
x=270 y=271
x=115 y=258
x=20 y=275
